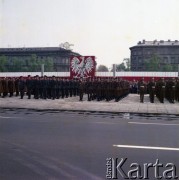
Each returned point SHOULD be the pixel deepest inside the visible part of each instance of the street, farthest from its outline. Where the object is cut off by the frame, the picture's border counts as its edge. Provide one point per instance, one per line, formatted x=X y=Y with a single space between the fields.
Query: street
x=75 y=145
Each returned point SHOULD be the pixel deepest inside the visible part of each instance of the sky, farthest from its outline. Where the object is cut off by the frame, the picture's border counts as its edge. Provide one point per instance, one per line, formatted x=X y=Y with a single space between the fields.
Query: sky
x=102 y=28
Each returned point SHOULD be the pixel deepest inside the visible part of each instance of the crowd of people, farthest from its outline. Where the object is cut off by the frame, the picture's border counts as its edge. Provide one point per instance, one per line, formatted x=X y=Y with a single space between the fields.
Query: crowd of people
x=57 y=87
x=96 y=88
x=162 y=88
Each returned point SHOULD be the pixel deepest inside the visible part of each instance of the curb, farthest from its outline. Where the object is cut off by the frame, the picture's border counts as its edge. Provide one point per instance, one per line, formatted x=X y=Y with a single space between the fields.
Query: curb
x=88 y=111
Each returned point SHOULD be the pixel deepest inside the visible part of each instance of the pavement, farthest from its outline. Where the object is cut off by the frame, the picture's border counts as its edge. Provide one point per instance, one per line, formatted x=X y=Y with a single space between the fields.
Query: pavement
x=129 y=104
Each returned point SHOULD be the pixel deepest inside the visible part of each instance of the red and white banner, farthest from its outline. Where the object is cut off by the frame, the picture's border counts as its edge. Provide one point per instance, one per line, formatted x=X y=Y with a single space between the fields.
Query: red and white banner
x=82 y=66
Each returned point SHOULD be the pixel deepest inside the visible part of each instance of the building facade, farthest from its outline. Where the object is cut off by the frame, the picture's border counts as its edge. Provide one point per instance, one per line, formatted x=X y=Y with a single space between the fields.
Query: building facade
x=167 y=53
x=58 y=58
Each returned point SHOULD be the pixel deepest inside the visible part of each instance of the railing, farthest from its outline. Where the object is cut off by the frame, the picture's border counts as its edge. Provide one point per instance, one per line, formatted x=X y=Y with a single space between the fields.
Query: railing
x=98 y=74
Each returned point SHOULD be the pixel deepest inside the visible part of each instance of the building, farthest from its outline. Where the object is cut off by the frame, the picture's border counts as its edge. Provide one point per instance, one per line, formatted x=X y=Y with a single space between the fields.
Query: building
x=167 y=53
x=22 y=59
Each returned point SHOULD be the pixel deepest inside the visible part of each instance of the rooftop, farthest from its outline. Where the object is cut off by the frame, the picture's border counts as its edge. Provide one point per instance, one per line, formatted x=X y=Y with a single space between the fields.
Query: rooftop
x=32 y=49
x=158 y=43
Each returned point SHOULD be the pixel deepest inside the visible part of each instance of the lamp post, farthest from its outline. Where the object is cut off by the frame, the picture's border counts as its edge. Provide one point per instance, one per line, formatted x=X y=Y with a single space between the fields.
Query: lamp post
x=114 y=70
x=42 y=70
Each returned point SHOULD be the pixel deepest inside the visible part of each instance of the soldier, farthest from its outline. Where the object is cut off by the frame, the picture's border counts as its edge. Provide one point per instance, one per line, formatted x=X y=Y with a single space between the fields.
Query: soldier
x=87 y=86
x=11 y=86
x=161 y=90
x=151 y=87
x=170 y=86
x=70 y=87
x=22 y=85
x=53 y=87
x=73 y=87
x=58 y=87
x=44 y=87
x=142 y=89
x=177 y=90
x=134 y=87
x=81 y=89
x=16 y=84
x=118 y=90
x=107 y=88
x=66 y=88
x=29 y=85
x=62 y=88
x=41 y=87
x=36 y=87
x=98 y=89
x=1 y=86
x=4 y=87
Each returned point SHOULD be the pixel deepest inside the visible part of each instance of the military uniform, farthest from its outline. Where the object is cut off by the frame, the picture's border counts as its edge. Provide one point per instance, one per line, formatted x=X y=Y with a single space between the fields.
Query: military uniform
x=142 y=89
x=177 y=90
x=16 y=84
x=22 y=85
x=151 y=87
x=81 y=89
x=1 y=90
x=29 y=85
x=4 y=87
x=160 y=90
x=11 y=87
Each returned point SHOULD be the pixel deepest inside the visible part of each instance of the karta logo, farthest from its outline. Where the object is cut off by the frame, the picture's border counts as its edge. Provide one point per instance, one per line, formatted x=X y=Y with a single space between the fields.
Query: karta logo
x=82 y=66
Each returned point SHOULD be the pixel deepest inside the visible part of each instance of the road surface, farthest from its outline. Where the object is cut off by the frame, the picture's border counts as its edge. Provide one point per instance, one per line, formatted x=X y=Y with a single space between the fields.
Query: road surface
x=75 y=145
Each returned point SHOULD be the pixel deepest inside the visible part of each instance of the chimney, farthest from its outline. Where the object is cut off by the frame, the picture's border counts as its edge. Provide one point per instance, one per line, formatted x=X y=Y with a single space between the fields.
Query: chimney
x=161 y=41
x=154 y=41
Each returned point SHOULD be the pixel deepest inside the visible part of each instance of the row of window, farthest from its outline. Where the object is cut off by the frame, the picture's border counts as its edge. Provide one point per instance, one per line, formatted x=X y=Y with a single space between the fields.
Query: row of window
x=172 y=60
x=174 y=51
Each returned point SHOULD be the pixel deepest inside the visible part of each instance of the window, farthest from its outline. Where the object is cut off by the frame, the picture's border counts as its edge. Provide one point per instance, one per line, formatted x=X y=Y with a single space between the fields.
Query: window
x=139 y=59
x=172 y=60
x=165 y=59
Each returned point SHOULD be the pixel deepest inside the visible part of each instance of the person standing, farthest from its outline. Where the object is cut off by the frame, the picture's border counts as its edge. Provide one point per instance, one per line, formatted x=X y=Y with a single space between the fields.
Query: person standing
x=4 y=87
x=16 y=83
x=10 y=87
x=177 y=90
x=151 y=86
x=81 y=89
x=142 y=89
x=22 y=85
x=29 y=85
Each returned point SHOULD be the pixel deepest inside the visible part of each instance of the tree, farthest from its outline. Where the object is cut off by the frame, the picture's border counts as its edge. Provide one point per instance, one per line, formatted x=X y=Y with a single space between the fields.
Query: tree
x=124 y=66
x=17 y=65
x=167 y=68
x=34 y=63
x=3 y=61
x=48 y=63
x=127 y=62
x=120 y=67
x=102 y=68
x=152 y=64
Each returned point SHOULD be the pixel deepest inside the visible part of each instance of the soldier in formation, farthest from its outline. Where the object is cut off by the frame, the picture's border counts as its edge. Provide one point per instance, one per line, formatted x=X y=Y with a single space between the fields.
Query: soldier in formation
x=151 y=90
x=96 y=88
x=142 y=88
x=168 y=89
x=106 y=89
x=55 y=87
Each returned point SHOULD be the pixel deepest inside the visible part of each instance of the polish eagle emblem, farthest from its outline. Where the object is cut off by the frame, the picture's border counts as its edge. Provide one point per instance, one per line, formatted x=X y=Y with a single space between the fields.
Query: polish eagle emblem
x=82 y=66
